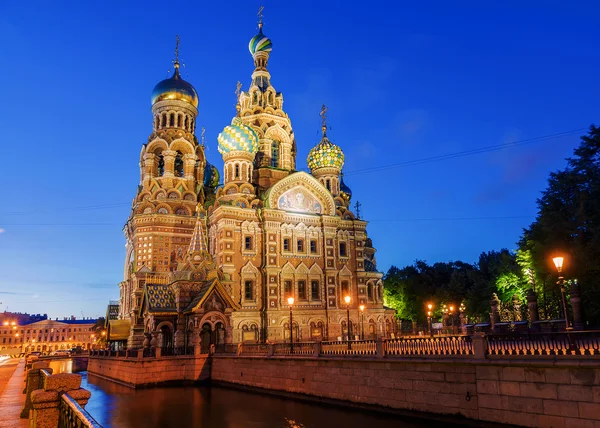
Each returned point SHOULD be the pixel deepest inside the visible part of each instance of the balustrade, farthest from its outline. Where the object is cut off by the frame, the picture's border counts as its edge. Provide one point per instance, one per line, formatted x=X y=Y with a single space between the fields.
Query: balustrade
x=357 y=347
x=300 y=348
x=444 y=345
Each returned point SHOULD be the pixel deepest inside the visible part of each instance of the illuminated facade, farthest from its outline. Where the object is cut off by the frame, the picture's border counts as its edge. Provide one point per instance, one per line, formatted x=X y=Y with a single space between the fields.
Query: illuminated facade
x=48 y=335
x=217 y=262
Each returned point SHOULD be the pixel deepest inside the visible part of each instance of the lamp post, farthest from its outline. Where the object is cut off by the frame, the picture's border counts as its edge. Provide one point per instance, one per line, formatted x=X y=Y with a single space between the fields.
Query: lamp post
x=362 y=322
x=451 y=313
x=291 y=303
x=429 y=326
x=558 y=262
x=347 y=300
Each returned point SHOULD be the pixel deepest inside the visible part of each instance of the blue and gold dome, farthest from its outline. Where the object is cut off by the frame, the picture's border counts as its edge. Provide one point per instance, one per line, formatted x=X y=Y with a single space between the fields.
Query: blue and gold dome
x=211 y=176
x=345 y=191
x=260 y=43
x=325 y=155
x=238 y=137
x=175 y=88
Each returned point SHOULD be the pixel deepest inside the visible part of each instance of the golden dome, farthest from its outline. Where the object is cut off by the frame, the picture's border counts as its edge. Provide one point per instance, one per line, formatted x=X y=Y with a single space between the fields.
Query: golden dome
x=175 y=88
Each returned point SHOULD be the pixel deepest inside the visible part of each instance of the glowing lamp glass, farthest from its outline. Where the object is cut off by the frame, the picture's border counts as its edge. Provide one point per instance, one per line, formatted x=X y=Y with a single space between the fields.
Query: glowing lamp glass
x=362 y=307
x=290 y=301
x=347 y=299
x=558 y=262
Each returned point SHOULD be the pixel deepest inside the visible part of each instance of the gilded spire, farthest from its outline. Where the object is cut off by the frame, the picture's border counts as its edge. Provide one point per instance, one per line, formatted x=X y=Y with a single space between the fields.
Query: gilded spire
x=202 y=136
x=238 y=91
x=324 y=120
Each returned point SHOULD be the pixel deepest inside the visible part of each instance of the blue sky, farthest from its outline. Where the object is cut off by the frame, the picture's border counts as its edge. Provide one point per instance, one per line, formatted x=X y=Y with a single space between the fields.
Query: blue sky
x=402 y=81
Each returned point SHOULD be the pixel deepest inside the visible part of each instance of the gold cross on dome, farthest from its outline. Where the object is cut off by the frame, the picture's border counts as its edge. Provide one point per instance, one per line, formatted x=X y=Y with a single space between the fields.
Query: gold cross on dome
x=260 y=16
x=177 y=41
x=324 y=116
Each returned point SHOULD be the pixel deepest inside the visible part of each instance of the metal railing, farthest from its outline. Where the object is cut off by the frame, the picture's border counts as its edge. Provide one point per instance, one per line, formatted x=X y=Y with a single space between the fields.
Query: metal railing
x=559 y=343
x=354 y=347
x=180 y=350
x=443 y=345
x=149 y=353
x=72 y=415
x=254 y=349
x=298 y=348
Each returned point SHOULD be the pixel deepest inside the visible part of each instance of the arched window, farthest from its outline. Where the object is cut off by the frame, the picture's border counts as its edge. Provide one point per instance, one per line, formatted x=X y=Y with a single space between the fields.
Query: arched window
x=270 y=97
x=254 y=97
x=369 y=290
x=185 y=123
x=163 y=122
x=248 y=290
x=172 y=119
x=161 y=166
x=275 y=154
x=237 y=171
x=328 y=185
x=302 y=290
x=314 y=290
x=178 y=167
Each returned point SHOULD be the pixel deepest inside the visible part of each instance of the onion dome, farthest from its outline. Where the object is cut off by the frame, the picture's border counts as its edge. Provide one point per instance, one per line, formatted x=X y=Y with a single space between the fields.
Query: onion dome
x=345 y=191
x=238 y=137
x=260 y=43
x=175 y=88
x=211 y=176
x=325 y=155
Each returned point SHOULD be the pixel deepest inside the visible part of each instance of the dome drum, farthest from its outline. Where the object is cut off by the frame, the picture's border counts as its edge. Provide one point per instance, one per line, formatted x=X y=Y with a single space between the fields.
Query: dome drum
x=238 y=154
x=166 y=105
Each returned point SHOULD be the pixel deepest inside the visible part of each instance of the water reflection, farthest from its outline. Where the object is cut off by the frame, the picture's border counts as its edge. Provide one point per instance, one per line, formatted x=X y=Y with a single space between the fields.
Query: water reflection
x=118 y=406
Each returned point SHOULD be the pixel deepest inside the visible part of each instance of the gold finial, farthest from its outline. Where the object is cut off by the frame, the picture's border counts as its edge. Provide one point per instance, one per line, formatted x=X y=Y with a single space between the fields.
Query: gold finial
x=198 y=207
x=324 y=119
x=176 y=61
x=260 y=17
x=202 y=135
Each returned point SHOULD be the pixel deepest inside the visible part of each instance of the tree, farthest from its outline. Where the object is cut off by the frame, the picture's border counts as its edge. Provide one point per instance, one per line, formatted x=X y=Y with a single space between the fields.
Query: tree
x=568 y=222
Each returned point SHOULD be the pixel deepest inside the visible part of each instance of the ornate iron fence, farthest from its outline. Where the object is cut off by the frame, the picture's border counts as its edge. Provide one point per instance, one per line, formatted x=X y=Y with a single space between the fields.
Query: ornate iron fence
x=560 y=343
x=254 y=349
x=72 y=415
x=357 y=347
x=444 y=345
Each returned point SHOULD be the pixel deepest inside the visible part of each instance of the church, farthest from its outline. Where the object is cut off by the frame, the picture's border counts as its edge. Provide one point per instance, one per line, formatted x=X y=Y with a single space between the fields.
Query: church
x=214 y=262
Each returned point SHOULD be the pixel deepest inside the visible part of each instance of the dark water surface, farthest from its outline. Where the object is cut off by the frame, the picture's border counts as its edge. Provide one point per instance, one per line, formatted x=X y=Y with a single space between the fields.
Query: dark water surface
x=114 y=405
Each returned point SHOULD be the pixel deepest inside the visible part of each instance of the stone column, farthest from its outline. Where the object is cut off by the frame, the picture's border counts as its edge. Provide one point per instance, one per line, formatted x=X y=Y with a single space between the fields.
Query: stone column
x=169 y=159
x=495 y=315
x=46 y=401
x=533 y=308
x=189 y=162
x=575 y=298
x=516 y=308
x=149 y=166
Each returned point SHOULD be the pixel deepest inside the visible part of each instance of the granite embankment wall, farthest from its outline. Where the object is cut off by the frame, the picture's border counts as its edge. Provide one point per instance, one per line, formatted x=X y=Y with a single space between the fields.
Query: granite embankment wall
x=540 y=393
x=152 y=371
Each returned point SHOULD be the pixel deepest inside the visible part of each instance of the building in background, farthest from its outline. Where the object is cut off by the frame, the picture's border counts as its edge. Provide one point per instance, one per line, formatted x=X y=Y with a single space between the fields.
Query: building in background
x=217 y=262
x=47 y=335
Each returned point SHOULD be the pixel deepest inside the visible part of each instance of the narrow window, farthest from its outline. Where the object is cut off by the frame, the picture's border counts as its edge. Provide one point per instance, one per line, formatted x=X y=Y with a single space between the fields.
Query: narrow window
x=248 y=289
x=248 y=243
x=342 y=249
x=286 y=244
x=287 y=289
x=185 y=123
x=172 y=119
x=161 y=166
x=163 y=120
x=237 y=171
x=300 y=245
x=314 y=290
x=344 y=289
x=178 y=166
x=302 y=290
x=275 y=154
x=313 y=247
x=370 y=291
x=328 y=185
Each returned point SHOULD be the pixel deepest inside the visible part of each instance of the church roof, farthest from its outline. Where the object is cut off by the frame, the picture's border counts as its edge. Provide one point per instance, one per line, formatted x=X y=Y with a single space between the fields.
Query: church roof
x=200 y=295
x=160 y=298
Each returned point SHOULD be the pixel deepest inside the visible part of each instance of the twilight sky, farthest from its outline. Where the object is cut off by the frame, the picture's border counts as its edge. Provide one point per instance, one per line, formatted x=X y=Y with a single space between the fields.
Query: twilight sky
x=403 y=82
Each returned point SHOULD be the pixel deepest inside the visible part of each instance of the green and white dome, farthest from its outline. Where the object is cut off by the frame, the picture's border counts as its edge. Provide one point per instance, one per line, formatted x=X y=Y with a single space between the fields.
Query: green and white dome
x=237 y=137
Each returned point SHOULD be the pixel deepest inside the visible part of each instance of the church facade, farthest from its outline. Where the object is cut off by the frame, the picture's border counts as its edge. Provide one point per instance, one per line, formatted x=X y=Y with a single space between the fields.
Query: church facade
x=218 y=262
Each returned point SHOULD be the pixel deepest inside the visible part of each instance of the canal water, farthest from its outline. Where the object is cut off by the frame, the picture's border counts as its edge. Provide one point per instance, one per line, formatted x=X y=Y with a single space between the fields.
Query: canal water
x=114 y=405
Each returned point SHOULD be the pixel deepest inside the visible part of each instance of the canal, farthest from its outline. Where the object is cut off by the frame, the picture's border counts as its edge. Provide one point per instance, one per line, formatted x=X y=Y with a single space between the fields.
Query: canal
x=114 y=405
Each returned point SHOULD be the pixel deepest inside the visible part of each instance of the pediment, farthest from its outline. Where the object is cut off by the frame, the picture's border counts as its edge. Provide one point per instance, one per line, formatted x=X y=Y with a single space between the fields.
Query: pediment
x=302 y=193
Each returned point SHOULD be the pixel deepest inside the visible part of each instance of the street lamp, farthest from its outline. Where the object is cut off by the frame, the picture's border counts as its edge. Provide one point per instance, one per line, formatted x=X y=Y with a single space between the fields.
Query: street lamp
x=347 y=300
x=451 y=313
x=362 y=322
x=558 y=262
x=291 y=303
x=429 y=326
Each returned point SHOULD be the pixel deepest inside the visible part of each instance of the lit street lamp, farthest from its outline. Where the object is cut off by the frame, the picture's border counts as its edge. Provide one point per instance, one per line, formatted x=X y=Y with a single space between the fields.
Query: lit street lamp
x=347 y=300
x=291 y=303
x=362 y=322
x=558 y=262
x=429 y=326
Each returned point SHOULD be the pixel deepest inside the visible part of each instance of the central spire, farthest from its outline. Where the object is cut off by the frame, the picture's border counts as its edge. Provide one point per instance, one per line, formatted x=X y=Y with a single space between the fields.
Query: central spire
x=198 y=242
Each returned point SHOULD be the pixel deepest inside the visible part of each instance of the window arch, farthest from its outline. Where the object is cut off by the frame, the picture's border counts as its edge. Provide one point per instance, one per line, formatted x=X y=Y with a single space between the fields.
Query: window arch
x=172 y=119
x=237 y=171
x=161 y=166
x=275 y=154
x=178 y=167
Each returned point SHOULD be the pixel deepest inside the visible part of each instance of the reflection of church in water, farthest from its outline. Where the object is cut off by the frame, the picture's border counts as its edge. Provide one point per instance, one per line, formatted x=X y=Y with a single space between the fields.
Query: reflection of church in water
x=219 y=261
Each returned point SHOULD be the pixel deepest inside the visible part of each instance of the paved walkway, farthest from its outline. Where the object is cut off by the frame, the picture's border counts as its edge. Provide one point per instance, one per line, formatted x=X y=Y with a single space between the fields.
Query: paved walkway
x=12 y=399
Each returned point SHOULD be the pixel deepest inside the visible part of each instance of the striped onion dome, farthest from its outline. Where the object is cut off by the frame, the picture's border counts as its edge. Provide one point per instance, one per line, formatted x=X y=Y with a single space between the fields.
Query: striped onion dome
x=260 y=43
